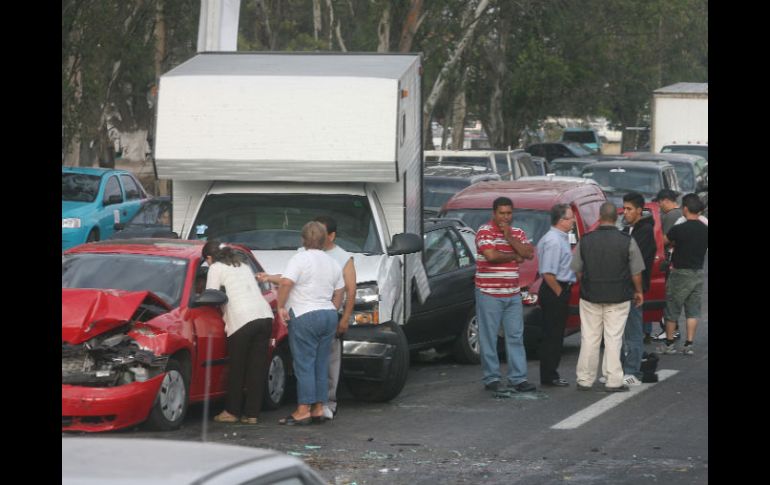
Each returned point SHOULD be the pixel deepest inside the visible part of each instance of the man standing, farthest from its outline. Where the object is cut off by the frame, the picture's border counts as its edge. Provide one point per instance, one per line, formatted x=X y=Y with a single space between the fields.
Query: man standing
x=345 y=260
x=641 y=230
x=670 y=213
x=500 y=248
x=607 y=262
x=554 y=255
x=685 y=283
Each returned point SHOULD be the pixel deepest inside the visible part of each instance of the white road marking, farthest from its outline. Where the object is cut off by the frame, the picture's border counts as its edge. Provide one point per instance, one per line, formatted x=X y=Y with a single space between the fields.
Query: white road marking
x=609 y=402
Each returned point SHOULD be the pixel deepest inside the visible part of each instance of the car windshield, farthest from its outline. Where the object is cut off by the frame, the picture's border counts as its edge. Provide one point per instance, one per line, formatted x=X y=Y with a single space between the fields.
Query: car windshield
x=534 y=223
x=436 y=192
x=684 y=173
x=579 y=136
x=131 y=272
x=569 y=169
x=274 y=221
x=79 y=187
x=479 y=164
x=625 y=179
x=153 y=212
x=701 y=151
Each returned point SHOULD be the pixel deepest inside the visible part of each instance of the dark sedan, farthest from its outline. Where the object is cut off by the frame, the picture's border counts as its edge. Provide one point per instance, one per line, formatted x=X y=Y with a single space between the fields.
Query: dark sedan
x=552 y=150
x=620 y=177
x=152 y=220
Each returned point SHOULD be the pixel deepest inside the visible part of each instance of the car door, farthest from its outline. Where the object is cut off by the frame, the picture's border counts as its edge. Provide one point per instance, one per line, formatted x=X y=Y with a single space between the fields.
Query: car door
x=111 y=210
x=450 y=268
x=134 y=195
x=209 y=339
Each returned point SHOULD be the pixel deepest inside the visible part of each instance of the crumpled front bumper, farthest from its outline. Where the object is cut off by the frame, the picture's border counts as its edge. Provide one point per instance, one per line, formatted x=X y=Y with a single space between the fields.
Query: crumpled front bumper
x=368 y=351
x=107 y=408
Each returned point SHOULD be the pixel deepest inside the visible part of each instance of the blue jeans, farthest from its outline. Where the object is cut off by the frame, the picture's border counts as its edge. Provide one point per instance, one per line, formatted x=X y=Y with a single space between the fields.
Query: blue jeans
x=310 y=339
x=633 y=342
x=491 y=312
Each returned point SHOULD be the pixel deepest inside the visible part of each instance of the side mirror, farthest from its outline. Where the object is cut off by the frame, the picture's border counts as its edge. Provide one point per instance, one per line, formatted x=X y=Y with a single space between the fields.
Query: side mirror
x=119 y=226
x=405 y=243
x=114 y=199
x=209 y=298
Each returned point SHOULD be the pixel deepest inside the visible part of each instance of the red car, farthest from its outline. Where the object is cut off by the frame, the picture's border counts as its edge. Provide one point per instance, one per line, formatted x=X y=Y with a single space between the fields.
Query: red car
x=141 y=339
x=532 y=202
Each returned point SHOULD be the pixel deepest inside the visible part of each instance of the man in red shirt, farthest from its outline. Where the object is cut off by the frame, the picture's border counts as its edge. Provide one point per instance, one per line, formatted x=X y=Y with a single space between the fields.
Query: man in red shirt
x=499 y=249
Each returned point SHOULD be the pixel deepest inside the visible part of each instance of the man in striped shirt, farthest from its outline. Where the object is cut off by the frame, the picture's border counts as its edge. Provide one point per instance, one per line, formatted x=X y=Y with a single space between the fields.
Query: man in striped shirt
x=499 y=249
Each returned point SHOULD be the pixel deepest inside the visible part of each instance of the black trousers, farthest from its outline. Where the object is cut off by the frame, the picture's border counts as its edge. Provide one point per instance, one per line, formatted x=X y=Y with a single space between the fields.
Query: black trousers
x=247 y=349
x=555 y=312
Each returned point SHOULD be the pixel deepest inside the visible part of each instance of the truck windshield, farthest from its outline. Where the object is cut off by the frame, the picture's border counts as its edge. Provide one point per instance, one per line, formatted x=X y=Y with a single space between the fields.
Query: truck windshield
x=534 y=223
x=274 y=221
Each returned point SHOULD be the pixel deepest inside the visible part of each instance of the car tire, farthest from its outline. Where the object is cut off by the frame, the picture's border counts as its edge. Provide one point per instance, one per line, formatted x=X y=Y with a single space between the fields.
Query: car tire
x=277 y=380
x=466 y=348
x=386 y=390
x=93 y=236
x=171 y=403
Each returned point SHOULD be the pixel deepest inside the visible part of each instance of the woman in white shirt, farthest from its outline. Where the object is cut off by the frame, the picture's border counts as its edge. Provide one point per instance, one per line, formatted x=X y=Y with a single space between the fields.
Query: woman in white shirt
x=308 y=297
x=248 y=325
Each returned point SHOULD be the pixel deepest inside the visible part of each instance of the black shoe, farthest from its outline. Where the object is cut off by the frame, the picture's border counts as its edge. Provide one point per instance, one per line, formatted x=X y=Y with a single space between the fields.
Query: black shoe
x=524 y=387
x=492 y=386
x=556 y=383
x=623 y=388
x=581 y=387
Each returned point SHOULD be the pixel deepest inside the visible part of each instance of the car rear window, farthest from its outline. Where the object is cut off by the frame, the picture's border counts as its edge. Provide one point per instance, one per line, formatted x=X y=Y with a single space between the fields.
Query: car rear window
x=579 y=136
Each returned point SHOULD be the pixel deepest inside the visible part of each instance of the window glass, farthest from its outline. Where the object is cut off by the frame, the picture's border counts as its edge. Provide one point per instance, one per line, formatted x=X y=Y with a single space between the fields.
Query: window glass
x=534 y=223
x=112 y=188
x=79 y=187
x=133 y=191
x=439 y=252
x=501 y=160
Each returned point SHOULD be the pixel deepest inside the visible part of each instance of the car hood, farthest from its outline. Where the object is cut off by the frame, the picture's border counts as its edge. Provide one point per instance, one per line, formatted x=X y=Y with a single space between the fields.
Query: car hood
x=75 y=209
x=368 y=267
x=87 y=313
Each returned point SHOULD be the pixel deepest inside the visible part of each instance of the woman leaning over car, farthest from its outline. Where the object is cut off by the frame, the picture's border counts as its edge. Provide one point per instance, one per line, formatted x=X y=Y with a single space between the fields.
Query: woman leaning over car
x=308 y=296
x=248 y=325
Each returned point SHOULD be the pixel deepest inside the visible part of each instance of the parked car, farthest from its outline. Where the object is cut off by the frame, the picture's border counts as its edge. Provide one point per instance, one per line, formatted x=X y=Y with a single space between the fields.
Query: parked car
x=586 y=136
x=542 y=165
x=152 y=220
x=440 y=182
x=700 y=150
x=619 y=177
x=447 y=318
x=508 y=164
x=532 y=202
x=691 y=170
x=143 y=461
x=551 y=150
x=139 y=335
x=93 y=200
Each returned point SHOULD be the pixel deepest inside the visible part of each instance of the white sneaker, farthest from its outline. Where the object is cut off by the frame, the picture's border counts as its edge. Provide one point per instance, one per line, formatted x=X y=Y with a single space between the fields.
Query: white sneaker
x=631 y=380
x=603 y=380
x=662 y=335
x=328 y=414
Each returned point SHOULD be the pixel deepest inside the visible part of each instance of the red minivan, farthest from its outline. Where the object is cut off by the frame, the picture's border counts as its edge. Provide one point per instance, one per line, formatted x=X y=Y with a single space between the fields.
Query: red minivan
x=532 y=201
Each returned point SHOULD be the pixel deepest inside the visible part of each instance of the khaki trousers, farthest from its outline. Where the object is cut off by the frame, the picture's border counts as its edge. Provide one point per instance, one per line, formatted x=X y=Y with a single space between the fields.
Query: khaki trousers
x=597 y=319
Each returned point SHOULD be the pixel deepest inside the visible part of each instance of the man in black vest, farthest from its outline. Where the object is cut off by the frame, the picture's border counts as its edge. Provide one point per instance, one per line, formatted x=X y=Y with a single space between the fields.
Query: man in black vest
x=609 y=266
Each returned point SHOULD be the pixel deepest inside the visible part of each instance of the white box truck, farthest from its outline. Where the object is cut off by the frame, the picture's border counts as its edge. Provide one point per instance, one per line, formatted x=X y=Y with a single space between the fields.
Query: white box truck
x=680 y=119
x=258 y=144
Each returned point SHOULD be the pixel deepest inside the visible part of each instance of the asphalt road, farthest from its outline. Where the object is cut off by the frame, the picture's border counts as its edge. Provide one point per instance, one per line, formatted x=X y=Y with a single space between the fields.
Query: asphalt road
x=445 y=428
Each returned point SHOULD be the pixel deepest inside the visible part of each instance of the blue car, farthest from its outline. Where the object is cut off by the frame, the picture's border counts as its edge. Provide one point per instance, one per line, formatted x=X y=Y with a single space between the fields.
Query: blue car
x=93 y=200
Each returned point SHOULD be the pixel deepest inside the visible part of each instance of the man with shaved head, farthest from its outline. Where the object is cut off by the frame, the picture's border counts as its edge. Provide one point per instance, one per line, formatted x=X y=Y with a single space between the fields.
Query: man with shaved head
x=609 y=266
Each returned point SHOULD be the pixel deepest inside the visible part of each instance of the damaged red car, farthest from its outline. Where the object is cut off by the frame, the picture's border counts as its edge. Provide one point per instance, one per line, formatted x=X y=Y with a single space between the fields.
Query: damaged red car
x=142 y=339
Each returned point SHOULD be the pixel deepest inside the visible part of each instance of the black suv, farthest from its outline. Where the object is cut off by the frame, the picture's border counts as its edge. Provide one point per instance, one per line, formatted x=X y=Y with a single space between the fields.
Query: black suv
x=552 y=150
x=620 y=177
x=447 y=318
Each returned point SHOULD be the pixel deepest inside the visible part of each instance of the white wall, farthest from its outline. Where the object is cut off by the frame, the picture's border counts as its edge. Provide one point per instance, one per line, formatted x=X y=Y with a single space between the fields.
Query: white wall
x=680 y=120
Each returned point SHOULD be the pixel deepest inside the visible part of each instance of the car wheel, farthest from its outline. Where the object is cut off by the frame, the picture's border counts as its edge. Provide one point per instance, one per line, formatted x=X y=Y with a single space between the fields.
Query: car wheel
x=170 y=406
x=389 y=388
x=466 y=348
x=277 y=378
x=93 y=236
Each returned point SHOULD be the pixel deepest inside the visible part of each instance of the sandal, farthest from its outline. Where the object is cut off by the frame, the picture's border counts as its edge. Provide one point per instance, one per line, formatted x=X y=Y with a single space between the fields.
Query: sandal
x=225 y=417
x=291 y=421
x=246 y=420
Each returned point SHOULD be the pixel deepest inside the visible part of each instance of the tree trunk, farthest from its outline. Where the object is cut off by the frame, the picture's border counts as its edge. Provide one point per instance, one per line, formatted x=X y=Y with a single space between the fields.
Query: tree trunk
x=317 y=25
x=160 y=39
x=441 y=80
x=263 y=14
x=383 y=30
x=414 y=18
x=459 y=109
x=331 y=22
